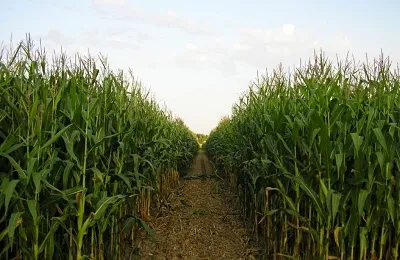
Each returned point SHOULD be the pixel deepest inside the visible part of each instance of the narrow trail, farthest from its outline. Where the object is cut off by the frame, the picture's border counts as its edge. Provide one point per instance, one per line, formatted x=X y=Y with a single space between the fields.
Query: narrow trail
x=199 y=222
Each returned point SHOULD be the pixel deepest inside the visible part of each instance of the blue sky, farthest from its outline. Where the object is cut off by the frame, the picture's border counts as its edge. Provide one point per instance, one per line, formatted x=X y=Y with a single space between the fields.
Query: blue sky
x=198 y=57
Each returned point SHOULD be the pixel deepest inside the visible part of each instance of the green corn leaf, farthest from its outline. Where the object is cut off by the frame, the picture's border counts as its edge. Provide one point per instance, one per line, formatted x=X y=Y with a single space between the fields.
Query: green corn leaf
x=362 y=196
x=336 y=234
x=336 y=197
x=55 y=137
x=270 y=213
x=9 y=191
x=65 y=195
x=21 y=173
x=328 y=199
x=7 y=101
x=105 y=138
x=339 y=160
x=381 y=160
x=363 y=241
x=295 y=214
x=391 y=209
x=48 y=241
x=66 y=174
x=98 y=175
x=12 y=148
x=32 y=206
x=102 y=205
x=13 y=224
x=31 y=165
x=313 y=136
x=311 y=193
x=289 y=201
x=357 y=140
x=3 y=233
x=323 y=188
x=126 y=180
x=381 y=138
x=284 y=143
x=312 y=232
x=69 y=145
x=36 y=177
x=146 y=227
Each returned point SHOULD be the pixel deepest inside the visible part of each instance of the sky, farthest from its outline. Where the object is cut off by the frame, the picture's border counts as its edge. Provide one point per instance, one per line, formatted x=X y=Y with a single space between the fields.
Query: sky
x=198 y=57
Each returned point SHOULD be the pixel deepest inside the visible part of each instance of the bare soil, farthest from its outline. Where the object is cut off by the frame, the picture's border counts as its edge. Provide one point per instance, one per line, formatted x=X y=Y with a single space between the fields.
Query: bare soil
x=199 y=220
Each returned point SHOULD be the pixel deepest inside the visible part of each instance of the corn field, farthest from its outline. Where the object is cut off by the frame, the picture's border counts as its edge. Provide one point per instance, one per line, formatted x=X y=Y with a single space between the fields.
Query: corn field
x=315 y=157
x=84 y=151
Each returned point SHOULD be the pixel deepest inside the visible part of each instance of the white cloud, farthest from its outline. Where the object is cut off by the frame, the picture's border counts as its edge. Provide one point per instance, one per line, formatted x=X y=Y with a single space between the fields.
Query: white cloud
x=288 y=29
x=202 y=57
x=205 y=58
x=191 y=46
x=259 y=48
x=168 y=19
x=240 y=47
x=342 y=41
x=58 y=38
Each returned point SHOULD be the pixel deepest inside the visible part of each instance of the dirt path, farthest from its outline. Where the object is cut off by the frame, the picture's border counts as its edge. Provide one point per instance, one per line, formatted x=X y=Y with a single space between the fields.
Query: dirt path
x=200 y=221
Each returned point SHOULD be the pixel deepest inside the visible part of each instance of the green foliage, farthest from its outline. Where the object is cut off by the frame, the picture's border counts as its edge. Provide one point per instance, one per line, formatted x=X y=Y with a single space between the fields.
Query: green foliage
x=202 y=138
x=82 y=152
x=316 y=160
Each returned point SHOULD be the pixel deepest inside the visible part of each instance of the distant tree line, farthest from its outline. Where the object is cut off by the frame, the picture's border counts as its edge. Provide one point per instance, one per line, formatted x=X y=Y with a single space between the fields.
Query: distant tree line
x=201 y=138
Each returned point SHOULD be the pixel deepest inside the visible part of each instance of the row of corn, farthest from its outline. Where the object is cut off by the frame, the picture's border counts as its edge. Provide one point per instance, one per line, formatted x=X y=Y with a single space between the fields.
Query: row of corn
x=83 y=153
x=315 y=157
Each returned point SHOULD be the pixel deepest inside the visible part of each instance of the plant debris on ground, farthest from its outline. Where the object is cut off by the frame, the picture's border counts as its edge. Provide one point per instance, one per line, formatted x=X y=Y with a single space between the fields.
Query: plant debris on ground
x=200 y=222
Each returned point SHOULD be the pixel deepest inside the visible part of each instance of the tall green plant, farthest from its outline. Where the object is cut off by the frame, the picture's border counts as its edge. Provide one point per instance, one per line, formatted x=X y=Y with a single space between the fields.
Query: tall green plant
x=82 y=150
x=315 y=158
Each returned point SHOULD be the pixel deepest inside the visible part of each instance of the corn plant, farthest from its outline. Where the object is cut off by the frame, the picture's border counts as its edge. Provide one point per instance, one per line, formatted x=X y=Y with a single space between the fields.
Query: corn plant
x=82 y=152
x=315 y=159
